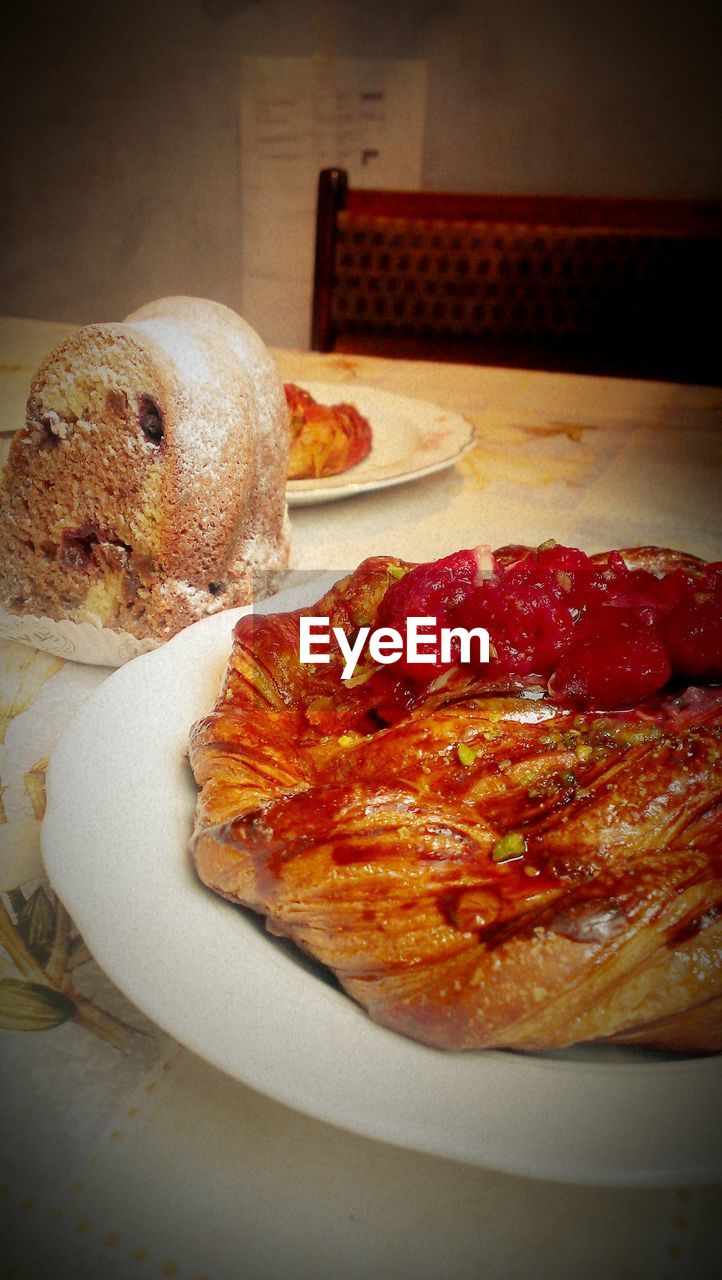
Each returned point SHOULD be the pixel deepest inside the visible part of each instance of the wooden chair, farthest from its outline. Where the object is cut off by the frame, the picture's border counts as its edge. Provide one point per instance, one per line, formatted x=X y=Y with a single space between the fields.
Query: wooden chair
x=578 y=284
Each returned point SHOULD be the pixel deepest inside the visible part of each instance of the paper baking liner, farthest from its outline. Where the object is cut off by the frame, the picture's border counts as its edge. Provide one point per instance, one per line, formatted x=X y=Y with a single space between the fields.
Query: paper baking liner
x=75 y=641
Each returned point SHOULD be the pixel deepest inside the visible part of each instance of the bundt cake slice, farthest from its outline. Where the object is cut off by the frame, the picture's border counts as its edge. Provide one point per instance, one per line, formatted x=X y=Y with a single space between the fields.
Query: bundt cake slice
x=147 y=487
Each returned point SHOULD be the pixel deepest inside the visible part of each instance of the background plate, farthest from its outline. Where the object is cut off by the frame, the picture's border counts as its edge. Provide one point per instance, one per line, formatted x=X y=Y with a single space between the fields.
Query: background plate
x=115 y=841
x=410 y=438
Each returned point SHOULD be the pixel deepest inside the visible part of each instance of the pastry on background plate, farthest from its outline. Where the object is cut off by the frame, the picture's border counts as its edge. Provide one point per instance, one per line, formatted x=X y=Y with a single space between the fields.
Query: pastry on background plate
x=325 y=439
x=524 y=853
x=147 y=487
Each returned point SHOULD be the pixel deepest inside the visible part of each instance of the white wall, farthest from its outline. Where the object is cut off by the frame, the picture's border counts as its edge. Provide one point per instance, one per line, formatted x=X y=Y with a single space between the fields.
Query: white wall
x=122 y=177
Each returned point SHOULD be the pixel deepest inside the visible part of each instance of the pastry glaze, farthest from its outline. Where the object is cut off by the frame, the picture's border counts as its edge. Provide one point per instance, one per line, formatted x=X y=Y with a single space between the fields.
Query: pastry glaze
x=345 y=815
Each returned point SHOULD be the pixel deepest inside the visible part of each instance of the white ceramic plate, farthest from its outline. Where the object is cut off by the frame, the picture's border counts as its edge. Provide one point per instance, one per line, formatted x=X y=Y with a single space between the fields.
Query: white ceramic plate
x=410 y=439
x=115 y=841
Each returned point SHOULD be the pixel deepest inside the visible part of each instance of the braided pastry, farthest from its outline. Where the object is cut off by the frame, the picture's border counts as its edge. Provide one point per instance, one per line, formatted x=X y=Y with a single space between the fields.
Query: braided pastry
x=325 y=439
x=481 y=861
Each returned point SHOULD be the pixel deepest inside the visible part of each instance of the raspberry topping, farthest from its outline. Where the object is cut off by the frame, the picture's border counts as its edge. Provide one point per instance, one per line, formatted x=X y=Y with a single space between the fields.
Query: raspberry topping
x=613 y=660
x=692 y=632
x=597 y=632
x=434 y=590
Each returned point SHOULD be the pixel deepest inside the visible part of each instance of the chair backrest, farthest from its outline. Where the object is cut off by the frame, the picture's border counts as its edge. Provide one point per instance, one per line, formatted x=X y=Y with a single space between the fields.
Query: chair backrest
x=600 y=285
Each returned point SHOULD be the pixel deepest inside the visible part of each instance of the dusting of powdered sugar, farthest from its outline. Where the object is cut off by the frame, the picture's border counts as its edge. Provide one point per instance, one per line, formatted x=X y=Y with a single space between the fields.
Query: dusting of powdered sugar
x=251 y=352
x=226 y=420
x=198 y=391
x=178 y=586
x=225 y=380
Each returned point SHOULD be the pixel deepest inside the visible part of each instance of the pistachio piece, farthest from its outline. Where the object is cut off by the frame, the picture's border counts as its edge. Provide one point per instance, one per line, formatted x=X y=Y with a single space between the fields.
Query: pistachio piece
x=512 y=845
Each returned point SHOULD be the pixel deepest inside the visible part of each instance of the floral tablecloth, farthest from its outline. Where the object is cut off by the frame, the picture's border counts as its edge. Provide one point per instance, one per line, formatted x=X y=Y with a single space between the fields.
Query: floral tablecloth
x=123 y=1153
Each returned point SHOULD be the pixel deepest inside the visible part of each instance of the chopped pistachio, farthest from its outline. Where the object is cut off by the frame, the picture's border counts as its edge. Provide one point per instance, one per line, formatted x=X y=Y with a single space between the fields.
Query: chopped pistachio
x=624 y=733
x=397 y=570
x=347 y=740
x=547 y=546
x=512 y=845
x=466 y=754
x=583 y=752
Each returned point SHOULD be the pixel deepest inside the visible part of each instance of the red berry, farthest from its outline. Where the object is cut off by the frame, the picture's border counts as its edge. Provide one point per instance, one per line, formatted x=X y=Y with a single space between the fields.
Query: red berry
x=614 y=661
x=649 y=596
x=431 y=590
x=528 y=627
x=693 y=638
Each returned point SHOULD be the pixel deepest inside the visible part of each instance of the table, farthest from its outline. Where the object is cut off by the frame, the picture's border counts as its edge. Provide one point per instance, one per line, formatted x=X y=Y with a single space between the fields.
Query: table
x=126 y=1155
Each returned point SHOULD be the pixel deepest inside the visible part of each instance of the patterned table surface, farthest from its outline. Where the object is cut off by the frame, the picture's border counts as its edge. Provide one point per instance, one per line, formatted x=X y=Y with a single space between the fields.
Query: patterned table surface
x=123 y=1154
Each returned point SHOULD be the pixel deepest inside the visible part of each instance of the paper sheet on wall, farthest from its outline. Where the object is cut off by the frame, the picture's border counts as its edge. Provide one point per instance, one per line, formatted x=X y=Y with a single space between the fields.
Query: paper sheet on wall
x=300 y=115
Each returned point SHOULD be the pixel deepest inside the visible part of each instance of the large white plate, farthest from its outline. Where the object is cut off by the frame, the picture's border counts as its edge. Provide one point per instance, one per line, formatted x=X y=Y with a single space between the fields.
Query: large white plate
x=115 y=841
x=410 y=439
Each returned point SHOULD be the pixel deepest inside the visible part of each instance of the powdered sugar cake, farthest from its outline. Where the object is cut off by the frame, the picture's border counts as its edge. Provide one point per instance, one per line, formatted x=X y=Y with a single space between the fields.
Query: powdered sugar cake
x=147 y=487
